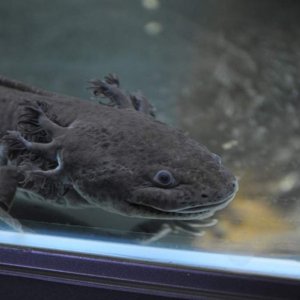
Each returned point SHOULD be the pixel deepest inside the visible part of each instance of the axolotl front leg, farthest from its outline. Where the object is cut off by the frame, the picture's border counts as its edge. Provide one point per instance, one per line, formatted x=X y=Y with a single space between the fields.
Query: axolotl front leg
x=110 y=88
x=34 y=114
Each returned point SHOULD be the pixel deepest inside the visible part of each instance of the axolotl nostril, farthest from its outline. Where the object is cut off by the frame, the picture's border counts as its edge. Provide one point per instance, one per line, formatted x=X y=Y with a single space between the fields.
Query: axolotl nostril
x=116 y=156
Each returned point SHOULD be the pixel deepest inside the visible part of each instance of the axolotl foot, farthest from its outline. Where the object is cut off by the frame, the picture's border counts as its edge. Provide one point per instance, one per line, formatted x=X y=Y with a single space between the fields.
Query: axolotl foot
x=154 y=230
x=110 y=88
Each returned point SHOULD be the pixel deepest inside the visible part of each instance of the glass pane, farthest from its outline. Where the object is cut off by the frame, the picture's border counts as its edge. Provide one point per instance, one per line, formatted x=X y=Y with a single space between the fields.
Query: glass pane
x=226 y=72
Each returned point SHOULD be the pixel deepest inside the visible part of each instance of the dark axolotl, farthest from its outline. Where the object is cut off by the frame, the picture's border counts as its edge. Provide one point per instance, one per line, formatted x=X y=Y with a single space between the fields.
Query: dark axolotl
x=117 y=157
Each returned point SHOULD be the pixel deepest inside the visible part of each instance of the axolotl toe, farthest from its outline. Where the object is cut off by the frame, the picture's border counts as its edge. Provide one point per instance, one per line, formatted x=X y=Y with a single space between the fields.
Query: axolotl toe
x=116 y=156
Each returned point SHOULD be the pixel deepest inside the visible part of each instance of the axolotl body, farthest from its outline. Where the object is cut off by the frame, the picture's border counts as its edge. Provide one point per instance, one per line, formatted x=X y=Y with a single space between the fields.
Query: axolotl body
x=78 y=153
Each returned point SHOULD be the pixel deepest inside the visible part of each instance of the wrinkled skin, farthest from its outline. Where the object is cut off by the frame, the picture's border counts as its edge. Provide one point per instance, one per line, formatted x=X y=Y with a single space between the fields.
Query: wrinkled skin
x=80 y=153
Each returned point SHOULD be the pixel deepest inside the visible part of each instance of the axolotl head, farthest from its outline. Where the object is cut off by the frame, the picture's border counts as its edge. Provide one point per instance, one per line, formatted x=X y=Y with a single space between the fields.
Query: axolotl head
x=134 y=165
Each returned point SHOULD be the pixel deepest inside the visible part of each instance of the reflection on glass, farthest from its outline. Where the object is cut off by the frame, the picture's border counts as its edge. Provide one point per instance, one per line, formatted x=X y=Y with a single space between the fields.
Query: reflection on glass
x=226 y=73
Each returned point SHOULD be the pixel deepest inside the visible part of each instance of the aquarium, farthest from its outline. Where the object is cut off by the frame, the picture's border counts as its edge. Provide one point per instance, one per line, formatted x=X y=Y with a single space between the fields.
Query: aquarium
x=226 y=73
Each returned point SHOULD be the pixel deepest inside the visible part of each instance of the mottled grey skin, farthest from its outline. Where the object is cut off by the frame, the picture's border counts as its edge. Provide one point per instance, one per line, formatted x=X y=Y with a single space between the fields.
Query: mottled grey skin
x=82 y=153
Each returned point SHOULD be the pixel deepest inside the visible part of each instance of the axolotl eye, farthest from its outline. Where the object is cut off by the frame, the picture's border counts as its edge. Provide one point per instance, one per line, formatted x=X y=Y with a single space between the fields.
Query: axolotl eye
x=164 y=178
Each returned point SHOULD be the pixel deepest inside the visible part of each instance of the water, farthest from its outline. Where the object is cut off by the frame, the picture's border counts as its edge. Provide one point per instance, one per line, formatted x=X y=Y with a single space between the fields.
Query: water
x=226 y=72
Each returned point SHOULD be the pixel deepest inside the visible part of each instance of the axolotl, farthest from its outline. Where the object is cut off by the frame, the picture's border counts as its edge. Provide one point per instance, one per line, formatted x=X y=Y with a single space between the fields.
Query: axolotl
x=78 y=153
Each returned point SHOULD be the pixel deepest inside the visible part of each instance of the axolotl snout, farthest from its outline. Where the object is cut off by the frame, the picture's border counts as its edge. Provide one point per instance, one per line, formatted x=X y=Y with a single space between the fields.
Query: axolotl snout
x=81 y=153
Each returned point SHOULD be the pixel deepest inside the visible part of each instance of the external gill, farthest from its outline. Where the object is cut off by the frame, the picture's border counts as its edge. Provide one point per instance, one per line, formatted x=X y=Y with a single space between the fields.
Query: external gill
x=33 y=122
x=46 y=149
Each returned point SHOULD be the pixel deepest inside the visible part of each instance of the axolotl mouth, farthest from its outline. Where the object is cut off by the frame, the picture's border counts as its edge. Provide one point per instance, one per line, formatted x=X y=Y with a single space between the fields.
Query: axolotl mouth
x=166 y=208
